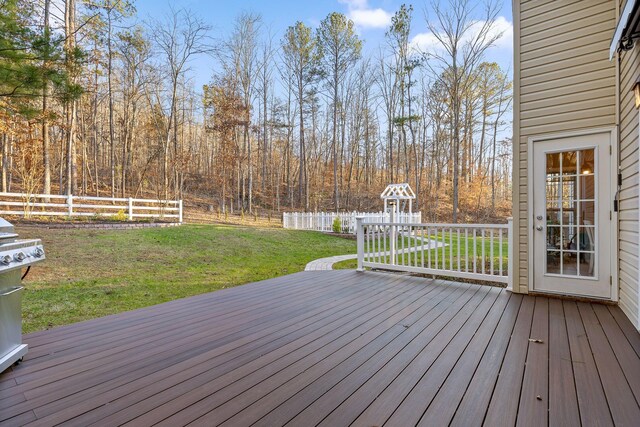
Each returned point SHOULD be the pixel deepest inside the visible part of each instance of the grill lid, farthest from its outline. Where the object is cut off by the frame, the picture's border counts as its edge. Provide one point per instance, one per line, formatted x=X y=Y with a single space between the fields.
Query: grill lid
x=7 y=232
x=17 y=253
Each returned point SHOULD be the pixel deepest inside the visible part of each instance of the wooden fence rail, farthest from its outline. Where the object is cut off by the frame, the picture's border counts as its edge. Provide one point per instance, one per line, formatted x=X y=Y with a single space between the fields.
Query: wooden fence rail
x=29 y=205
x=323 y=221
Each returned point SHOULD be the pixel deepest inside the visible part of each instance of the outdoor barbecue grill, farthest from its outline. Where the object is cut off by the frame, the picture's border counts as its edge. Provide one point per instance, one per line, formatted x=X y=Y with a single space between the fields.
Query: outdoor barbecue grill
x=15 y=254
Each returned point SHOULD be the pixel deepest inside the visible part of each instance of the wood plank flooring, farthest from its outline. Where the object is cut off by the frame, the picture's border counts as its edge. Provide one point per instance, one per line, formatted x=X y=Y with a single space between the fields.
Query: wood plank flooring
x=335 y=348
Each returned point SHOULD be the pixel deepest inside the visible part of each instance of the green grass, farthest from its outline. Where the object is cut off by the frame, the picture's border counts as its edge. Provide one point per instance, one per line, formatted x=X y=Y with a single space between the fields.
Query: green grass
x=450 y=251
x=91 y=273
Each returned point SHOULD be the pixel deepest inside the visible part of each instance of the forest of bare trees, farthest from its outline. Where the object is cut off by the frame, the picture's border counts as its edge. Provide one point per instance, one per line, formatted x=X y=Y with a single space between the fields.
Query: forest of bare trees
x=97 y=100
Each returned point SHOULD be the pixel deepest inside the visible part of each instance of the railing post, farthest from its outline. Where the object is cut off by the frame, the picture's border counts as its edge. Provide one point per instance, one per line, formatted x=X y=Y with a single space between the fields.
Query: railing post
x=510 y=249
x=130 y=209
x=180 y=211
x=70 y=205
x=360 y=243
x=392 y=236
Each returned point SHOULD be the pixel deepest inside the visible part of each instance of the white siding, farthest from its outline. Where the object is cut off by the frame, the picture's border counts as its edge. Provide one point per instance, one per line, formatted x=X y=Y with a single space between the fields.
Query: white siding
x=564 y=82
x=629 y=215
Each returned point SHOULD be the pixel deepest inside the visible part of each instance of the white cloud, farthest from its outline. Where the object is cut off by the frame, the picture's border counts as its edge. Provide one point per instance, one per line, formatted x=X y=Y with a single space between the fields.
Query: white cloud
x=370 y=18
x=355 y=4
x=502 y=28
x=424 y=42
x=367 y=17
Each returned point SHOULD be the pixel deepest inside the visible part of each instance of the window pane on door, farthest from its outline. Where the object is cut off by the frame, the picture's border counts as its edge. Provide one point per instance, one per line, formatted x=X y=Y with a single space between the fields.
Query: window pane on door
x=587 y=213
x=569 y=162
x=553 y=262
x=586 y=163
x=587 y=187
x=571 y=207
x=569 y=263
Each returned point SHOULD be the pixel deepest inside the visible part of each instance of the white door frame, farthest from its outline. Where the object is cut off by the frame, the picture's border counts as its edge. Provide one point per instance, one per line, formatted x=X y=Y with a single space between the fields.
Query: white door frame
x=613 y=229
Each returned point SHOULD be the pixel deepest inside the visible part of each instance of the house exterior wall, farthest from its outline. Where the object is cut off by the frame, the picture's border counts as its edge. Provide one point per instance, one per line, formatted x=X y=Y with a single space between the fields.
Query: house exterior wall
x=563 y=82
x=629 y=215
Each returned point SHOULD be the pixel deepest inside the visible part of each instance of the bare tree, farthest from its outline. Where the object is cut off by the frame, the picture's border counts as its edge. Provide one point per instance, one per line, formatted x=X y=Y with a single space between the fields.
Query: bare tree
x=300 y=57
x=388 y=89
x=266 y=84
x=503 y=105
x=462 y=43
x=115 y=10
x=134 y=52
x=242 y=47
x=46 y=166
x=71 y=104
x=179 y=37
x=340 y=49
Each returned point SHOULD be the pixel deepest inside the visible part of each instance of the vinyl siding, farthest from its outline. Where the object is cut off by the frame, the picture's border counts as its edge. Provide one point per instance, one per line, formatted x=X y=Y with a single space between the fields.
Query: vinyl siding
x=564 y=82
x=629 y=215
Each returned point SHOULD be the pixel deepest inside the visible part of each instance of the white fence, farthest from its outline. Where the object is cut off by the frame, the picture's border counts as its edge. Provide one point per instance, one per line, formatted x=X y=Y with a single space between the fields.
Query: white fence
x=323 y=221
x=469 y=251
x=28 y=205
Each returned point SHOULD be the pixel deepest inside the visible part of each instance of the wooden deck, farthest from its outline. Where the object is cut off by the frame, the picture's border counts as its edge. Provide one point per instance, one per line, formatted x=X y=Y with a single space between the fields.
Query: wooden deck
x=335 y=348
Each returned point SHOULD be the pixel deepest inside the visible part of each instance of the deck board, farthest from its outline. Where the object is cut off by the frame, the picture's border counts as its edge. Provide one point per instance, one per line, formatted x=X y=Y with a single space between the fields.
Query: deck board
x=503 y=408
x=335 y=348
x=171 y=390
x=620 y=398
x=563 y=402
x=592 y=402
x=534 y=397
x=424 y=343
x=439 y=411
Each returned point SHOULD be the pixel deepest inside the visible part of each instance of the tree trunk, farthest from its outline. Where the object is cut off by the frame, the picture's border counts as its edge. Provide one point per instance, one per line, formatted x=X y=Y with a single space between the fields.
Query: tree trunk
x=5 y=162
x=301 y=175
x=336 y=196
x=46 y=165
x=71 y=107
x=112 y=144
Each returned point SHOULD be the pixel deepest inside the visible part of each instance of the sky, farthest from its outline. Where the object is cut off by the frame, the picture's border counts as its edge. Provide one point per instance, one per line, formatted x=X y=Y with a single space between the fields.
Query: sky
x=372 y=18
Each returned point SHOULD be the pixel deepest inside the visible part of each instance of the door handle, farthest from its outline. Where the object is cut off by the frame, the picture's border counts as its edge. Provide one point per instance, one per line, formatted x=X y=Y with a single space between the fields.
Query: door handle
x=539 y=227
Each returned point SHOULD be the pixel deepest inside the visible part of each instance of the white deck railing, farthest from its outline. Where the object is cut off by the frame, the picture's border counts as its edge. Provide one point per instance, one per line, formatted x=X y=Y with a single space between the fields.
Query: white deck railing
x=470 y=251
x=28 y=205
x=323 y=221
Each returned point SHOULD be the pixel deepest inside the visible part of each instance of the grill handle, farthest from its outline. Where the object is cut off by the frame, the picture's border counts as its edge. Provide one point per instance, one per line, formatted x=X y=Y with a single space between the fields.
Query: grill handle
x=11 y=291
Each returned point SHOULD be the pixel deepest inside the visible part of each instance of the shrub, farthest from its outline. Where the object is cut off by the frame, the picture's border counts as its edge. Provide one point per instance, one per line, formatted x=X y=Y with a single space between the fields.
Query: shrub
x=120 y=216
x=337 y=225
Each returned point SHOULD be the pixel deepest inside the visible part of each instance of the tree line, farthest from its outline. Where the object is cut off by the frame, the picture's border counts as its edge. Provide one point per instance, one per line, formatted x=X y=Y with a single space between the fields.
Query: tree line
x=96 y=100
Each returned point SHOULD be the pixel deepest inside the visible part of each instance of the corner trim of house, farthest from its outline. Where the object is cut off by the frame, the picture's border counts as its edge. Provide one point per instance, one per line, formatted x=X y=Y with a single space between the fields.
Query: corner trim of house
x=516 y=172
x=612 y=130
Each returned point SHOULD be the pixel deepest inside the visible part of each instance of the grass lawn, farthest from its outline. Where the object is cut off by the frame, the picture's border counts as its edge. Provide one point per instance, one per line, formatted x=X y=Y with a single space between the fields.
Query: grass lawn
x=91 y=273
x=455 y=249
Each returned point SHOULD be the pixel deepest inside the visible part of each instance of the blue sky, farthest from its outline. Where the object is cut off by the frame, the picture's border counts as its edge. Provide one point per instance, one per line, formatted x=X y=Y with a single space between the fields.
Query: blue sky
x=371 y=18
